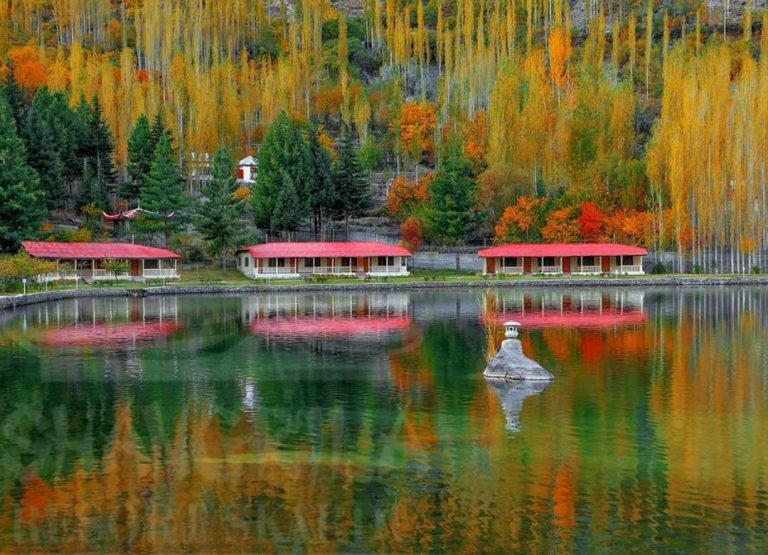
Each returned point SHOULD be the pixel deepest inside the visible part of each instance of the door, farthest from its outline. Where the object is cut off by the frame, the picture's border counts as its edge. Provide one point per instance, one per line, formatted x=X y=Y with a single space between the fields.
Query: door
x=490 y=265
x=526 y=265
x=606 y=263
x=135 y=271
x=567 y=265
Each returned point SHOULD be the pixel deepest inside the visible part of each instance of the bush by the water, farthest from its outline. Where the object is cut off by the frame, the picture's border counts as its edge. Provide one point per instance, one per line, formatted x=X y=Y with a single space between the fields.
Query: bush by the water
x=659 y=268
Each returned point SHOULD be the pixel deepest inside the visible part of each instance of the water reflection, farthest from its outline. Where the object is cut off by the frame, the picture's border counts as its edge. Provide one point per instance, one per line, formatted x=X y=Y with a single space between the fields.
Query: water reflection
x=222 y=438
x=511 y=396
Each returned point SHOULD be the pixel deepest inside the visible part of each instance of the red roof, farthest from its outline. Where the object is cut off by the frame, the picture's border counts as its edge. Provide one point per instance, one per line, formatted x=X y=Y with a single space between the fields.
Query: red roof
x=562 y=249
x=105 y=335
x=324 y=249
x=44 y=249
x=330 y=326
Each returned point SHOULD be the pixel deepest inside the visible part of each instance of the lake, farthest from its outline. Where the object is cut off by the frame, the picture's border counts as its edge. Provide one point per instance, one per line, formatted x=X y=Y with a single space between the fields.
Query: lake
x=361 y=422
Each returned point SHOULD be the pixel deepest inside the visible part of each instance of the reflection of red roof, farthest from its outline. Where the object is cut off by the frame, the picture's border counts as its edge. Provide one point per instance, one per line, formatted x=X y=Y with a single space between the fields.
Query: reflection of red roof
x=562 y=249
x=61 y=251
x=330 y=326
x=105 y=335
x=324 y=249
x=587 y=319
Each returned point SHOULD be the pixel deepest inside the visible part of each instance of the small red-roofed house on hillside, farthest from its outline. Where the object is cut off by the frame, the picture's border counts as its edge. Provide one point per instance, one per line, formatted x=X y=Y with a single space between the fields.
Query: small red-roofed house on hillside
x=563 y=258
x=90 y=261
x=294 y=260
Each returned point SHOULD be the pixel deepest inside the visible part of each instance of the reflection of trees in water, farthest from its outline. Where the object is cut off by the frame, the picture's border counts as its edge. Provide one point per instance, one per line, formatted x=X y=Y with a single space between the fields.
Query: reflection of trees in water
x=654 y=423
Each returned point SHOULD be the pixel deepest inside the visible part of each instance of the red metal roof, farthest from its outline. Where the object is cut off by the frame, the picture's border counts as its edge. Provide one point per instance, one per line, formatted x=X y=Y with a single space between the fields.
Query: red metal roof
x=324 y=249
x=562 y=249
x=330 y=326
x=105 y=335
x=62 y=251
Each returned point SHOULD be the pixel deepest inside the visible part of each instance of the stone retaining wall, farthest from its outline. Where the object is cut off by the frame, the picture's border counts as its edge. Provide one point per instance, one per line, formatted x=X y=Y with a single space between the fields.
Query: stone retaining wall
x=663 y=281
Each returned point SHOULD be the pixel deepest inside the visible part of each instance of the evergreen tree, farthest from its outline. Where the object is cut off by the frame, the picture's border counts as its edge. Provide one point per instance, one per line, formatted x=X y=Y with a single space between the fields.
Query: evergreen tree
x=21 y=206
x=102 y=143
x=321 y=188
x=353 y=194
x=163 y=194
x=452 y=213
x=218 y=217
x=49 y=146
x=141 y=150
x=284 y=172
x=95 y=149
x=158 y=129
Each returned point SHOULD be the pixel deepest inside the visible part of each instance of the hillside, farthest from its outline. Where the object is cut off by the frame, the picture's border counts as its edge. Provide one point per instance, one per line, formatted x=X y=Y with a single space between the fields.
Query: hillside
x=565 y=112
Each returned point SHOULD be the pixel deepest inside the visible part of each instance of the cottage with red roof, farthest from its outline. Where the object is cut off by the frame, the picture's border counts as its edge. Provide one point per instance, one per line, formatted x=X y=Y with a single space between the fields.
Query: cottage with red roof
x=294 y=260
x=563 y=258
x=90 y=261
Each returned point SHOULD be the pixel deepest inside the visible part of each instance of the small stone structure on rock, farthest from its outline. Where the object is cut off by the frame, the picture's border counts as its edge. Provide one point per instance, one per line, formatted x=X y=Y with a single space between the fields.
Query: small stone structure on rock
x=510 y=364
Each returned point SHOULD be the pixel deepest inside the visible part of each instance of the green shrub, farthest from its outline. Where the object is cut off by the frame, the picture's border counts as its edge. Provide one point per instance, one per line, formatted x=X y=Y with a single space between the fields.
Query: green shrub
x=757 y=270
x=697 y=269
x=659 y=268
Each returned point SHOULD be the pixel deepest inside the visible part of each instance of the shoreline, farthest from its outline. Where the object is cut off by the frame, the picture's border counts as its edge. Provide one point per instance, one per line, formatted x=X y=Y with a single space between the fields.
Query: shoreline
x=13 y=302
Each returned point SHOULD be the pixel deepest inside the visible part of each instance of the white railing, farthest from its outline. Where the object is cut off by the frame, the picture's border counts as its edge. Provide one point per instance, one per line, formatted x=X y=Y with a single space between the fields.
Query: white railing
x=588 y=270
x=550 y=269
x=56 y=276
x=511 y=269
x=388 y=270
x=99 y=273
x=329 y=270
x=160 y=273
x=633 y=269
x=274 y=270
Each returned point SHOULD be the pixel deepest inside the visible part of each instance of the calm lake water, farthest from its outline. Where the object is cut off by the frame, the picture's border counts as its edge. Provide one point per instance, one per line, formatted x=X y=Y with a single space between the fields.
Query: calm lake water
x=361 y=422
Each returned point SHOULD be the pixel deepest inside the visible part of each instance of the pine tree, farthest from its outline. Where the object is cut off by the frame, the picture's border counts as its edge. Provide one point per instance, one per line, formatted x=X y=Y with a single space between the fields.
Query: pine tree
x=141 y=149
x=452 y=212
x=321 y=190
x=45 y=139
x=353 y=192
x=284 y=170
x=163 y=195
x=21 y=206
x=218 y=216
x=102 y=143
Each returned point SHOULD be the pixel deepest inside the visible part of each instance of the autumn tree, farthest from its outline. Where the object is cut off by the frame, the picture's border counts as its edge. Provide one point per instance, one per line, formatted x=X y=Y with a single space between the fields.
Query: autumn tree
x=417 y=125
x=411 y=234
x=407 y=197
x=590 y=222
x=561 y=227
x=521 y=222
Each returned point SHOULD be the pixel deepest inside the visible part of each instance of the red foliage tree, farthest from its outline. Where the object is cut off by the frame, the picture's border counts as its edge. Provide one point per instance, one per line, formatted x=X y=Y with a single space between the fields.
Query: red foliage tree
x=591 y=222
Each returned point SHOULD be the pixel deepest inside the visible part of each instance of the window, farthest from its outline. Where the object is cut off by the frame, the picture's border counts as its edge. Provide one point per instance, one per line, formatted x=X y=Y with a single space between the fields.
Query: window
x=548 y=261
x=346 y=261
x=386 y=261
x=277 y=262
x=628 y=260
x=317 y=262
x=510 y=262
x=245 y=261
x=588 y=261
x=153 y=264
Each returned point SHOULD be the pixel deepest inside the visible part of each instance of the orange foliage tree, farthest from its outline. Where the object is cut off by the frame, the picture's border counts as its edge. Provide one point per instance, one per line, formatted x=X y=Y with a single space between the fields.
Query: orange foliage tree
x=591 y=222
x=28 y=72
x=520 y=222
x=406 y=196
x=475 y=140
x=561 y=227
x=411 y=235
x=418 y=121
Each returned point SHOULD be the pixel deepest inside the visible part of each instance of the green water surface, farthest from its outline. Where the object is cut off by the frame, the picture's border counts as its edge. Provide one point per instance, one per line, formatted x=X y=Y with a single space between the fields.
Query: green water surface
x=361 y=422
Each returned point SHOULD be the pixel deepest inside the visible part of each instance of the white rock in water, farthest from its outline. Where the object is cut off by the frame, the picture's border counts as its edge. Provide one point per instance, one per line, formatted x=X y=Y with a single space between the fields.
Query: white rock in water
x=511 y=364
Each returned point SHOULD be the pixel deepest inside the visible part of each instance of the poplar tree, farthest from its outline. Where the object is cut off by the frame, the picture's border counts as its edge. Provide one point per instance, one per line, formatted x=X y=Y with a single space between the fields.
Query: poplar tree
x=21 y=207
x=219 y=214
